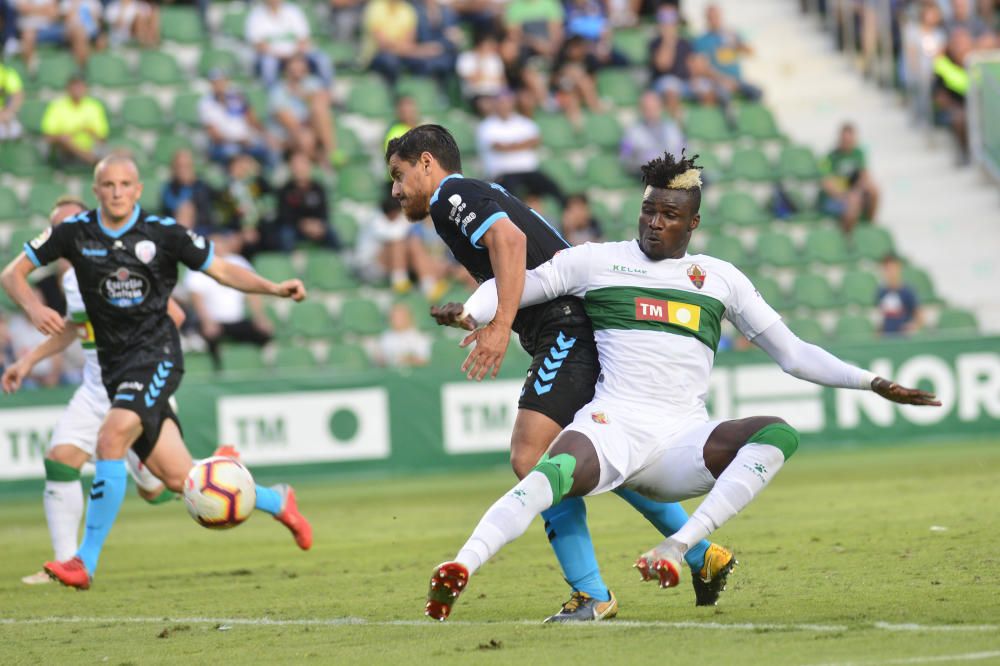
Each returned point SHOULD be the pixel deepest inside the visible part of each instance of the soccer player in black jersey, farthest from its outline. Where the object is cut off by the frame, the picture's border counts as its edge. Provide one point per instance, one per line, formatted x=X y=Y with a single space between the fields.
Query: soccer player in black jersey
x=494 y=234
x=126 y=265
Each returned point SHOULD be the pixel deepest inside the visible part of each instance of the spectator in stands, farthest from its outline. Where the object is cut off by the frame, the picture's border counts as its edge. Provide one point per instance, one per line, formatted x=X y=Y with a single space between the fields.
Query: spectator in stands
x=407 y=117
x=300 y=109
x=537 y=25
x=402 y=345
x=279 y=30
x=572 y=82
x=389 y=31
x=246 y=205
x=231 y=123
x=848 y=190
x=133 y=19
x=897 y=301
x=481 y=72
x=75 y=125
x=588 y=20
x=74 y=23
x=523 y=76
x=963 y=16
x=438 y=41
x=922 y=42
x=303 y=214
x=11 y=98
x=393 y=246
x=725 y=48
x=345 y=19
x=669 y=73
x=508 y=146
x=187 y=198
x=579 y=225
x=225 y=314
x=650 y=136
x=951 y=81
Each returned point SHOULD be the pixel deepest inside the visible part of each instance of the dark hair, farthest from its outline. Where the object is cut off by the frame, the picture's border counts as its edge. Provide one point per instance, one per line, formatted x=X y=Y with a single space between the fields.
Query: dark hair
x=433 y=139
x=660 y=171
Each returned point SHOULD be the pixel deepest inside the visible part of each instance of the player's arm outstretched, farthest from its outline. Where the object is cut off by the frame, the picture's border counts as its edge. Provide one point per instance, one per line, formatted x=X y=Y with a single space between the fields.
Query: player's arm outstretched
x=16 y=372
x=15 y=281
x=249 y=282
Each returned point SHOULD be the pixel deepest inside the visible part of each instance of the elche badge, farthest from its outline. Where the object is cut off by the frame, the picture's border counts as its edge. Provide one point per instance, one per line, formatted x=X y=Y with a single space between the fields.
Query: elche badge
x=145 y=251
x=697 y=275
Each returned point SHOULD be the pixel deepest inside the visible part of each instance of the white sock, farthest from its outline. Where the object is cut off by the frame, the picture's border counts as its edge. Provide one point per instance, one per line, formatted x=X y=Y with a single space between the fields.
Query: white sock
x=752 y=468
x=63 y=501
x=506 y=520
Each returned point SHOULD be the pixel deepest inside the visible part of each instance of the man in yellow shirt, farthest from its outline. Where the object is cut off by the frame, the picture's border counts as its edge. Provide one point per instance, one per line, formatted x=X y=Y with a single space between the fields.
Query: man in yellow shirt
x=75 y=125
x=11 y=96
x=389 y=35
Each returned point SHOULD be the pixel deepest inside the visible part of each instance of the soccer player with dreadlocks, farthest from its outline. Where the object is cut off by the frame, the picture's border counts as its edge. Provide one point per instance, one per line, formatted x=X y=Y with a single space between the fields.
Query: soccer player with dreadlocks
x=657 y=313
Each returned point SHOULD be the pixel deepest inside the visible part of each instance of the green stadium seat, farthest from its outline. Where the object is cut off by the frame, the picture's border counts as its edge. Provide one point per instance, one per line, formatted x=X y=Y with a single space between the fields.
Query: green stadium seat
x=349 y=143
x=755 y=121
x=160 y=68
x=218 y=59
x=741 y=209
x=108 y=70
x=342 y=53
x=185 y=110
x=751 y=164
x=143 y=112
x=562 y=171
x=619 y=87
x=727 y=248
x=240 y=358
x=814 y=291
x=43 y=196
x=234 y=22
x=557 y=133
x=872 y=242
x=957 y=321
x=464 y=132
x=859 y=288
x=770 y=291
x=920 y=281
x=853 y=328
x=21 y=159
x=348 y=358
x=294 y=356
x=827 y=246
x=10 y=207
x=603 y=131
x=168 y=144
x=806 y=328
x=706 y=124
x=798 y=162
x=134 y=149
x=55 y=69
x=257 y=98
x=428 y=96
x=370 y=97
x=361 y=316
x=326 y=270
x=355 y=182
x=181 y=24
x=633 y=43
x=275 y=266
x=30 y=114
x=310 y=319
x=346 y=227
x=712 y=168
x=198 y=365
x=605 y=171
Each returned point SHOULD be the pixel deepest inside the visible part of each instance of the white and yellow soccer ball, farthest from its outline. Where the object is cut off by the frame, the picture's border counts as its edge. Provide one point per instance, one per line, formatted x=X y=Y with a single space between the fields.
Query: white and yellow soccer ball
x=219 y=492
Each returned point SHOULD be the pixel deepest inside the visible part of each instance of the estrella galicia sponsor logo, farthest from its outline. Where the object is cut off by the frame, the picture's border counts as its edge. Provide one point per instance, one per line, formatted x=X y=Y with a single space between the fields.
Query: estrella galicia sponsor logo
x=124 y=289
x=619 y=268
x=94 y=251
x=130 y=386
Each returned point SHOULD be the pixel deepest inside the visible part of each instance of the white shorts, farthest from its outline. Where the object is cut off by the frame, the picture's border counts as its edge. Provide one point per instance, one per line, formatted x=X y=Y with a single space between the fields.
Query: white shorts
x=662 y=463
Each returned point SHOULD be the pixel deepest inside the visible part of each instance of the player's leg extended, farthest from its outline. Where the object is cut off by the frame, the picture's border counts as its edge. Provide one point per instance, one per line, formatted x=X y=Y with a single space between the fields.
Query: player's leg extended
x=63 y=499
x=667 y=517
x=570 y=469
x=739 y=459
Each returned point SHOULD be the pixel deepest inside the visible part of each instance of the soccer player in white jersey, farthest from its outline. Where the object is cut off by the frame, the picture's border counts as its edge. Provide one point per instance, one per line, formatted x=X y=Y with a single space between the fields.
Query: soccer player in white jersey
x=74 y=438
x=657 y=313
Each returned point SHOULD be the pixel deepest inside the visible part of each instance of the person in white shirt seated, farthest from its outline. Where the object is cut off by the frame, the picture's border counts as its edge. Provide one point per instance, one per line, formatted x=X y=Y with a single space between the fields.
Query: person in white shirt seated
x=278 y=30
x=402 y=345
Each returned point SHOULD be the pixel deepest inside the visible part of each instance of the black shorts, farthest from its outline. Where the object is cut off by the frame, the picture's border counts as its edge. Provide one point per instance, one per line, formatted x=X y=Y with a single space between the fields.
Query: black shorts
x=145 y=388
x=564 y=370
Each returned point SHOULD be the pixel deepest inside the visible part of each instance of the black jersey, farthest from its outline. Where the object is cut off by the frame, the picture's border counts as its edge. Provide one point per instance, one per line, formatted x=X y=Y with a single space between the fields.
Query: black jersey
x=125 y=277
x=463 y=209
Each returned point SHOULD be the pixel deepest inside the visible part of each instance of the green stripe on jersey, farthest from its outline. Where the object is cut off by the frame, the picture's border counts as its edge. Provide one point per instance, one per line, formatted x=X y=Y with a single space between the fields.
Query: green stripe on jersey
x=664 y=310
x=79 y=317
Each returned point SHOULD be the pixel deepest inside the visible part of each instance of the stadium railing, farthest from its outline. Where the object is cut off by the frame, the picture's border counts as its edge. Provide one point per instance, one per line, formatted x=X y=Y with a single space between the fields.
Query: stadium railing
x=983 y=108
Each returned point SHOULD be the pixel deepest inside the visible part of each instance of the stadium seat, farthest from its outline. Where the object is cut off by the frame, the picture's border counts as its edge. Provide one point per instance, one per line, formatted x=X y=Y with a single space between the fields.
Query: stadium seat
x=108 y=70
x=355 y=182
x=704 y=123
x=19 y=158
x=755 y=121
x=370 y=97
x=133 y=148
x=633 y=43
x=798 y=163
x=181 y=24
x=18 y=238
x=310 y=319
x=168 y=144
x=728 y=248
x=826 y=246
x=859 y=288
x=342 y=53
x=42 y=197
x=813 y=291
x=562 y=171
x=30 y=114
x=361 y=316
x=348 y=358
x=619 y=87
x=218 y=59
x=956 y=321
x=751 y=164
x=346 y=227
x=741 y=209
x=10 y=207
x=770 y=291
x=326 y=270
x=806 y=328
x=160 y=68
x=605 y=171
x=920 y=281
x=557 y=133
x=464 y=132
x=446 y=354
x=240 y=358
x=349 y=143
x=712 y=168
x=603 y=131
x=185 y=109
x=234 y=21
x=853 y=328
x=55 y=69
x=424 y=92
x=872 y=242
x=294 y=356
x=143 y=112
x=274 y=266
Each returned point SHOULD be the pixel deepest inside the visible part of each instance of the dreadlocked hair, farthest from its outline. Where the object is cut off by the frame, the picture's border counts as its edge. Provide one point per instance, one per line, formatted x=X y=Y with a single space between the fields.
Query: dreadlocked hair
x=670 y=173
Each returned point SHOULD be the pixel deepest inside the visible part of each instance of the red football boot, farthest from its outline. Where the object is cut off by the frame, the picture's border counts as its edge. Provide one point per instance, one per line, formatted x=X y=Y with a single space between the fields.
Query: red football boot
x=290 y=517
x=71 y=573
x=447 y=582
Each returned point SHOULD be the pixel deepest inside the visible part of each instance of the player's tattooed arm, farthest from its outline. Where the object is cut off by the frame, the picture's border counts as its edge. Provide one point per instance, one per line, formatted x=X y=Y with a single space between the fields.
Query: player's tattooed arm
x=16 y=372
x=15 y=280
x=249 y=282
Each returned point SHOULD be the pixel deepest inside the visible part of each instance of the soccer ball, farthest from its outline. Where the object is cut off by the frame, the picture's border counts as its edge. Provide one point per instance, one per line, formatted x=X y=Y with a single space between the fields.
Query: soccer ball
x=219 y=492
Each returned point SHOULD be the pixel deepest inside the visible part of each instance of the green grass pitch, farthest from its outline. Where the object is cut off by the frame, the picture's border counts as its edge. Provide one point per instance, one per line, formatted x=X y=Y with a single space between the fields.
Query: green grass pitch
x=841 y=558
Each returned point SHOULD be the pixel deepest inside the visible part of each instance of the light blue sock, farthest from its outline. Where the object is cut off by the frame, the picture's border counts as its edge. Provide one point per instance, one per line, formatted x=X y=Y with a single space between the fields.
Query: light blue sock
x=566 y=527
x=667 y=518
x=107 y=493
x=269 y=500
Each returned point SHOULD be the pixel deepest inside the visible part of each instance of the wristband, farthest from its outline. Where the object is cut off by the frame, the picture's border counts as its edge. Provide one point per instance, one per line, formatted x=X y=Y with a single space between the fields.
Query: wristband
x=866 y=380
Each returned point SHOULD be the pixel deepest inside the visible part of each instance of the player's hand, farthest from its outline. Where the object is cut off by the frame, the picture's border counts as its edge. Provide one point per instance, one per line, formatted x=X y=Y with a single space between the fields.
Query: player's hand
x=293 y=289
x=46 y=320
x=14 y=375
x=905 y=396
x=450 y=314
x=487 y=356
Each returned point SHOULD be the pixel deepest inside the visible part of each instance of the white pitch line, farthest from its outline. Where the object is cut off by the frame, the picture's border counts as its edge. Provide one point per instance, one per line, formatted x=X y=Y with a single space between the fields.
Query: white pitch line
x=936 y=627
x=968 y=656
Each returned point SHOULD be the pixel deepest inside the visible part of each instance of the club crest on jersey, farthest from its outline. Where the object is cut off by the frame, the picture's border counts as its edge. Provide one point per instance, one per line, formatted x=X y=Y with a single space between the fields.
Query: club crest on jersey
x=599 y=417
x=697 y=275
x=145 y=251
x=40 y=239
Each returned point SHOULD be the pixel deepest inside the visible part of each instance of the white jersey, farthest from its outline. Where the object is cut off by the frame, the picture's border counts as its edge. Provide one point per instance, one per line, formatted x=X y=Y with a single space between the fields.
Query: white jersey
x=85 y=331
x=656 y=323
